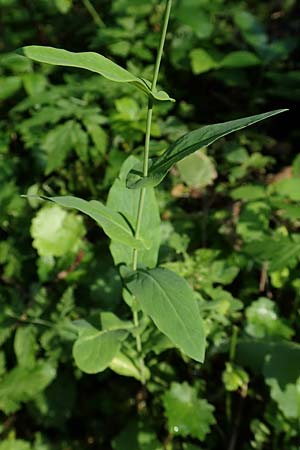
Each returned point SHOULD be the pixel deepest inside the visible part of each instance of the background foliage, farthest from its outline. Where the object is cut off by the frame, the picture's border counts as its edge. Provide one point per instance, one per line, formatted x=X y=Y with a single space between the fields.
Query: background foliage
x=231 y=219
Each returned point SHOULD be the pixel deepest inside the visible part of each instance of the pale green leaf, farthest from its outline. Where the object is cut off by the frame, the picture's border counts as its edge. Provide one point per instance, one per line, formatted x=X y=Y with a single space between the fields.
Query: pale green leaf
x=56 y=232
x=94 y=350
x=126 y=202
x=187 y=414
x=113 y=223
x=197 y=170
x=64 y=6
x=263 y=320
x=25 y=345
x=123 y=365
x=93 y=62
x=202 y=61
x=170 y=302
x=287 y=398
x=14 y=444
x=188 y=144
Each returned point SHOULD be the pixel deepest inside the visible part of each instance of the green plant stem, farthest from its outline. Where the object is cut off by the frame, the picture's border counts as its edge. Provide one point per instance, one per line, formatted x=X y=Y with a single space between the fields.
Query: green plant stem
x=145 y=168
x=95 y=15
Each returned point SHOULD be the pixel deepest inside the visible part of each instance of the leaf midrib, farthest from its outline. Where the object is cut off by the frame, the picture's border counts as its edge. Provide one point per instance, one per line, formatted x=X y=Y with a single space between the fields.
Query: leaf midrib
x=170 y=302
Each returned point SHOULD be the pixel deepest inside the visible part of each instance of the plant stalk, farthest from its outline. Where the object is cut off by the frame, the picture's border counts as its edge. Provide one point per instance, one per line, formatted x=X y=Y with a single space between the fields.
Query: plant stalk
x=93 y=12
x=145 y=168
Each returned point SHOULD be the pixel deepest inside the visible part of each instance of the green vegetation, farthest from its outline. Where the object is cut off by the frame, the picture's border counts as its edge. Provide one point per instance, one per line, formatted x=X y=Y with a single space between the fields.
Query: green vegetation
x=163 y=318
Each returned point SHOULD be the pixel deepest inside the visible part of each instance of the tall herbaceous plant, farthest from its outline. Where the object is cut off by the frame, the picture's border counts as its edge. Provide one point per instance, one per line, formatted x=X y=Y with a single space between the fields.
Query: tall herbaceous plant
x=131 y=220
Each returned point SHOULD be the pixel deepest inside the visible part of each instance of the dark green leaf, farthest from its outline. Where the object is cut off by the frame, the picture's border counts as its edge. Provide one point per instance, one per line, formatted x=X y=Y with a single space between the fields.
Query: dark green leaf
x=170 y=302
x=188 y=144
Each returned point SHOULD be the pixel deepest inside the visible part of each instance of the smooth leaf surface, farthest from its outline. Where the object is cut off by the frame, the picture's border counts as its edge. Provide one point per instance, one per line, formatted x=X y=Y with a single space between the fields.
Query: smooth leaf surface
x=188 y=144
x=169 y=301
x=93 y=62
x=94 y=350
x=125 y=202
x=113 y=224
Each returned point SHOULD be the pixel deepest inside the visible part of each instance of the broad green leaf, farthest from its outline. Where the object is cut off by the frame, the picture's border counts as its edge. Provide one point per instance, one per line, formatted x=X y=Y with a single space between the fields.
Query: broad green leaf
x=188 y=144
x=21 y=384
x=125 y=202
x=94 y=350
x=263 y=320
x=56 y=232
x=113 y=223
x=93 y=62
x=187 y=414
x=170 y=302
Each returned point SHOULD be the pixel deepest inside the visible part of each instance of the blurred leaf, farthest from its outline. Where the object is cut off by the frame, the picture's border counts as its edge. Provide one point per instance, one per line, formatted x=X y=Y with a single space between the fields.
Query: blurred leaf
x=197 y=170
x=278 y=253
x=187 y=414
x=263 y=320
x=25 y=346
x=239 y=59
x=56 y=232
x=202 y=61
x=234 y=377
x=9 y=86
x=57 y=144
x=64 y=6
x=21 y=384
x=136 y=436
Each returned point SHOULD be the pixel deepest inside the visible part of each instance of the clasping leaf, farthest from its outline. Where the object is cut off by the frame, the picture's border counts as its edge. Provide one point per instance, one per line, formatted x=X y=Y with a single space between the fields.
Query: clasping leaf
x=169 y=301
x=187 y=144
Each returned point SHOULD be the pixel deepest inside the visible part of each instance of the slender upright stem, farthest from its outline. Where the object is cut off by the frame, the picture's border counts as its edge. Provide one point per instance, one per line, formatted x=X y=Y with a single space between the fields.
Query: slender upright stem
x=146 y=164
x=93 y=12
